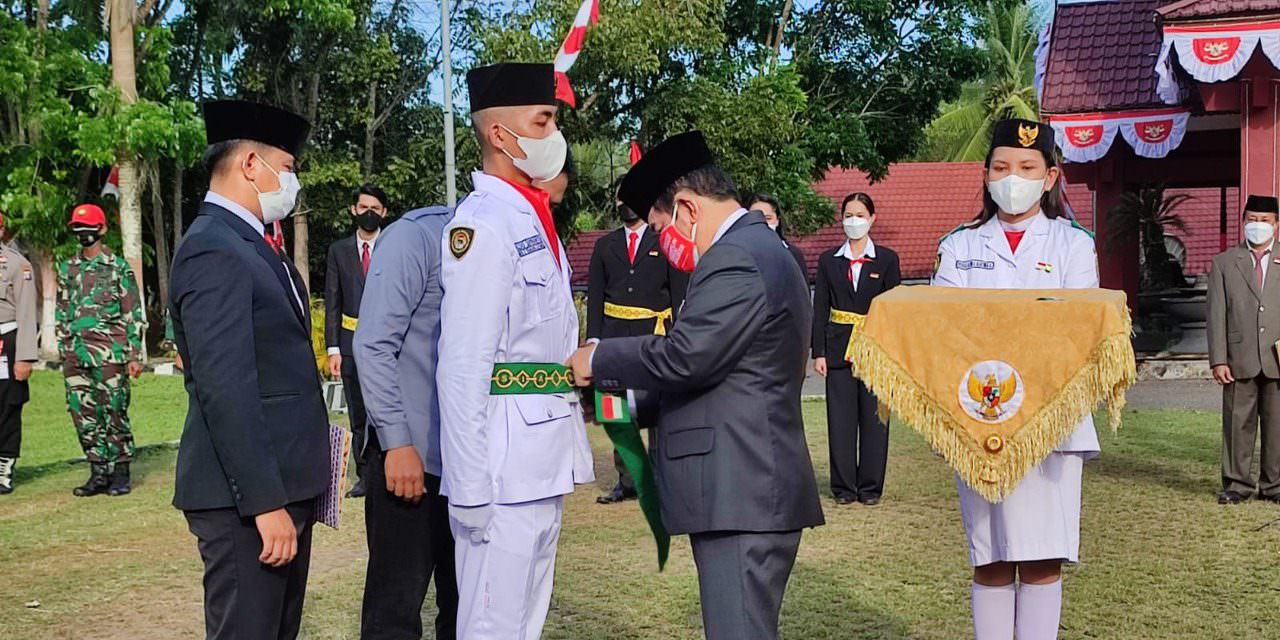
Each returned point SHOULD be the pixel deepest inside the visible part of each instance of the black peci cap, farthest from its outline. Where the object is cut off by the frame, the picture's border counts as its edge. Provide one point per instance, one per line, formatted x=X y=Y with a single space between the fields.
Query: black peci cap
x=1262 y=204
x=239 y=120
x=674 y=158
x=511 y=84
x=1023 y=134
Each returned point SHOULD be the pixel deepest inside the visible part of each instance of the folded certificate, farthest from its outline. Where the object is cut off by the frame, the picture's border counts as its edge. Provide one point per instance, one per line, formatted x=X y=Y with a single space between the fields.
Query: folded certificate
x=329 y=508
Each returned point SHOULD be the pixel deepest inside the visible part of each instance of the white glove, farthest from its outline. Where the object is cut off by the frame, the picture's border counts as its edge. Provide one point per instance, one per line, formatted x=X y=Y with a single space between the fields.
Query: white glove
x=474 y=520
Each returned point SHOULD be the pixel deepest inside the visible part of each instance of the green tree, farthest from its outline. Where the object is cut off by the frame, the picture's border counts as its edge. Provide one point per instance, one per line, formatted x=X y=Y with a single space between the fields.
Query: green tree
x=962 y=132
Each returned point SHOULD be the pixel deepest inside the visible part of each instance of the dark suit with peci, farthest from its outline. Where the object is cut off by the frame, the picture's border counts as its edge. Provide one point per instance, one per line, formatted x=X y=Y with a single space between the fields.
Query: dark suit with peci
x=730 y=458
x=256 y=437
x=344 y=287
x=858 y=440
x=1243 y=327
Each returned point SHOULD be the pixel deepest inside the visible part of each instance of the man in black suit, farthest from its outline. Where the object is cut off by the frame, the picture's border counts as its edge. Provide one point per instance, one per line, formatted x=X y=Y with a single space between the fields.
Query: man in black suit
x=849 y=276
x=255 y=448
x=347 y=265
x=628 y=294
x=730 y=458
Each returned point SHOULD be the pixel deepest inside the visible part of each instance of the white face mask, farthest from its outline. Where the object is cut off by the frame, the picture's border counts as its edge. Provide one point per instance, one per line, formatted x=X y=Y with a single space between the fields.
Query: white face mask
x=857 y=228
x=544 y=157
x=1016 y=195
x=773 y=226
x=1259 y=233
x=277 y=205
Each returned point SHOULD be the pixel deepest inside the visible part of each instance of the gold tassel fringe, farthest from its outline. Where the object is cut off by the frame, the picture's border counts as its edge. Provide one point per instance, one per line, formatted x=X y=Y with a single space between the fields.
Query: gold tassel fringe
x=1108 y=374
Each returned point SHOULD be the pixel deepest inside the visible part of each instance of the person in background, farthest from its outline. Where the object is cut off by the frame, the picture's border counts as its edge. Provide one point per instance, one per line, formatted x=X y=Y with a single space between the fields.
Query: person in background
x=100 y=325
x=628 y=294
x=849 y=277
x=17 y=352
x=1024 y=238
x=1243 y=327
x=254 y=454
x=347 y=266
x=512 y=437
x=406 y=518
x=772 y=210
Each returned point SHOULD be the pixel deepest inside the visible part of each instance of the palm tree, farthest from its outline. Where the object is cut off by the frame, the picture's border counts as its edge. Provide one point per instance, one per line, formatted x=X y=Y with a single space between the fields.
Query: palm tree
x=963 y=130
x=1146 y=215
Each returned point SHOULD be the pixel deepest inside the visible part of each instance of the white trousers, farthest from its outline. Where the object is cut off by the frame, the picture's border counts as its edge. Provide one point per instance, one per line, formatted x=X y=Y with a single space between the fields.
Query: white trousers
x=504 y=585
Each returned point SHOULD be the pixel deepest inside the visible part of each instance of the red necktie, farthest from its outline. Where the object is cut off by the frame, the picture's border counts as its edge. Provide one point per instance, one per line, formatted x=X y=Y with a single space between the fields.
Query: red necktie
x=364 y=257
x=857 y=261
x=275 y=242
x=549 y=227
x=1258 y=257
x=1014 y=238
x=632 y=237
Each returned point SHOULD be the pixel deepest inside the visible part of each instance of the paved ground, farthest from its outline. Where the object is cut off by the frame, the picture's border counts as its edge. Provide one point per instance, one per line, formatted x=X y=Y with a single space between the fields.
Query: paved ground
x=1199 y=395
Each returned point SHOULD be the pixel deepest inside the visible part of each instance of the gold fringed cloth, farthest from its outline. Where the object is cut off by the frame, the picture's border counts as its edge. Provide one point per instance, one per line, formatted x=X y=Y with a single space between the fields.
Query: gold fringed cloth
x=996 y=379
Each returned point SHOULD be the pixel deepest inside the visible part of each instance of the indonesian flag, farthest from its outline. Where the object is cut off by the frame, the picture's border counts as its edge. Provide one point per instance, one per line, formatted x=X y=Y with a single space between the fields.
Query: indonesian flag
x=588 y=14
x=635 y=152
x=611 y=408
x=112 y=187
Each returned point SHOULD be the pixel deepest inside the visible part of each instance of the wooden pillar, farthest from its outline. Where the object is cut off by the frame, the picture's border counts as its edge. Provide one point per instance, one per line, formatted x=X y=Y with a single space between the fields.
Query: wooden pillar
x=1117 y=261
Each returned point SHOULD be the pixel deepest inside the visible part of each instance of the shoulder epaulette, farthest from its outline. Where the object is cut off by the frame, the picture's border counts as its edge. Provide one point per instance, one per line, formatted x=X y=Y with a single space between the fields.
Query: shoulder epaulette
x=1079 y=226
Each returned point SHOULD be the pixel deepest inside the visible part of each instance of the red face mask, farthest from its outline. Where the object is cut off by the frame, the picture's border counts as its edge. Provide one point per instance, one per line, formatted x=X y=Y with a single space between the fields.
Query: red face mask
x=680 y=251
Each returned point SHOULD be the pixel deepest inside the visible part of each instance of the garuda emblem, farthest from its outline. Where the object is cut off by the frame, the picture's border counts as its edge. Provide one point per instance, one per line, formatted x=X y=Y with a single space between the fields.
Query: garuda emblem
x=991 y=392
x=1027 y=134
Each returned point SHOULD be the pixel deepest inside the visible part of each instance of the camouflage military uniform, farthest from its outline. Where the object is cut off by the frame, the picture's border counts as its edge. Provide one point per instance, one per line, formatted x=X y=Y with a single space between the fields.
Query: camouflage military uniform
x=100 y=327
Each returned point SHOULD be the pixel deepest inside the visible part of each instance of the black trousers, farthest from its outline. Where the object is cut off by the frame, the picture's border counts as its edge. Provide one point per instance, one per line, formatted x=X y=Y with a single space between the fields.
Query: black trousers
x=741 y=579
x=355 y=411
x=858 y=441
x=408 y=544
x=13 y=395
x=244 y=598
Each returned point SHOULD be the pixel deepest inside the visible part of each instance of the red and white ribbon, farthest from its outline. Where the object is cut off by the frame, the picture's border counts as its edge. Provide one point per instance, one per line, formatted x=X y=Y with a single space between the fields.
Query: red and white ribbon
x=588 y=14
x=1088 y=137
x=1213 y=53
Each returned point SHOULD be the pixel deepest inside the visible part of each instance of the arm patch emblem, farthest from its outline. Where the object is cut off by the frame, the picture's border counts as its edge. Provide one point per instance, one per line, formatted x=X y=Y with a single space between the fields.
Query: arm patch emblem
x=460 y=241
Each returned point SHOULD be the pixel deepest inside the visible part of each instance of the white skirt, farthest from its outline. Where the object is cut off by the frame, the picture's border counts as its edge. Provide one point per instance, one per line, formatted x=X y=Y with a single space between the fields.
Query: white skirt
x=1040 y=520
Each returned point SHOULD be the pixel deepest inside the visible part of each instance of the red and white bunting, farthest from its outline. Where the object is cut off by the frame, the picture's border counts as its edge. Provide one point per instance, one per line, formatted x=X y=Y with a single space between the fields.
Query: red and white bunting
x=1088 y=137
x=1213 y=53
x=112 y=186
x=588 y=14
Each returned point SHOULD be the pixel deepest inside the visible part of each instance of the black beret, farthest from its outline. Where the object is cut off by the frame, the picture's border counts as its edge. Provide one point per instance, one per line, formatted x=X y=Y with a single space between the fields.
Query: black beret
x=238 y=120
x=1023 y=134
x=1262 y=204
x=675 y=158
x=512 y=84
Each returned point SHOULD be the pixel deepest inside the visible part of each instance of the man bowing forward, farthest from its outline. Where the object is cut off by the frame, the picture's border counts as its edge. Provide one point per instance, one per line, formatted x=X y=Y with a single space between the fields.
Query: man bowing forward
x=255 y=447
x=730 y=458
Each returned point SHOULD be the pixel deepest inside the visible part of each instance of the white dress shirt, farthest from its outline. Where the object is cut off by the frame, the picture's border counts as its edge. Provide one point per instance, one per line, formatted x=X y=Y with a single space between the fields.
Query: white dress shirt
x=855 y=270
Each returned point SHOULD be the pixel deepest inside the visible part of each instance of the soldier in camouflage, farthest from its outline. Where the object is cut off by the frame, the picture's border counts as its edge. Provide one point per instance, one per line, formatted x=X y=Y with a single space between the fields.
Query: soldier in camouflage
x=100 y=325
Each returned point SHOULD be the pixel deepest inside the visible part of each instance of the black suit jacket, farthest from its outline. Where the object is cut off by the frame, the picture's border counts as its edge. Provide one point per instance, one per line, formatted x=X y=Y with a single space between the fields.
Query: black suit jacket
x=256 y=436
x=729 y=451
x=612 y=278
x=833 y=290
x=799 y=257
x=343 y=288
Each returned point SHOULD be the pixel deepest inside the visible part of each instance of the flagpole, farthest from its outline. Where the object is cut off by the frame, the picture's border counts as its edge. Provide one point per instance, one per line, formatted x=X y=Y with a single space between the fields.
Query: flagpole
x=451 y=189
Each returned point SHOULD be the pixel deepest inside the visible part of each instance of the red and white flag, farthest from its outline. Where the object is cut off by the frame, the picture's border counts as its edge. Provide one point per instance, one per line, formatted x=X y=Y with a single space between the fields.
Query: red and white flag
x=588 y=14
x=611 y=408
x=635 y=152
x=112 y=187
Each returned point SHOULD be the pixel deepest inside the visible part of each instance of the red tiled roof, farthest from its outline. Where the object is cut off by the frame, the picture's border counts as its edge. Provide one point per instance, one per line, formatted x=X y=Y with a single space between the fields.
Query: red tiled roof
x=1193 y=9
x=918 y=203
x=1102 y=57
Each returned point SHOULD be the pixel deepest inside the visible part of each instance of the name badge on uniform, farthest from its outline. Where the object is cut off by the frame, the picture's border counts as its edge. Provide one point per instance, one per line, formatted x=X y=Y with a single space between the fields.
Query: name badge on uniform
x=1044 y=266
x=530 y=245
x=965 y=265
x=654 y=254
x=873 y=276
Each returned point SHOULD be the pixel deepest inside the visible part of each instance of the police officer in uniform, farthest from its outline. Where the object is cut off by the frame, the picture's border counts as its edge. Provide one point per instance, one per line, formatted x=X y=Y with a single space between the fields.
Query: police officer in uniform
x=628 y=294
x=511 y=430
x=17 y=352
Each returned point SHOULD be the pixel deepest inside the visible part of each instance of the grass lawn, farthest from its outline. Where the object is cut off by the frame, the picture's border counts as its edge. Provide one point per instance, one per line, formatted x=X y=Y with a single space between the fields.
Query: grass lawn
x=1161 y=558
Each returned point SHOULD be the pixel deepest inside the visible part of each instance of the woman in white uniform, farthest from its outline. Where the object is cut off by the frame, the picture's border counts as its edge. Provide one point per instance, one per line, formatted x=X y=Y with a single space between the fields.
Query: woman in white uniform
x=1024 y=238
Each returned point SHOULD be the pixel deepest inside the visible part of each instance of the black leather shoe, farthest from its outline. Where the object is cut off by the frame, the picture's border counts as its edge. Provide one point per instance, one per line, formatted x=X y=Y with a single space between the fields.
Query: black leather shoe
x=1275 y=498
x=870 y=501
x=1231 y=497
x=97 y=484
x=618 y=494
x=120 y=483
x=843 y=500
x=357 y=491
